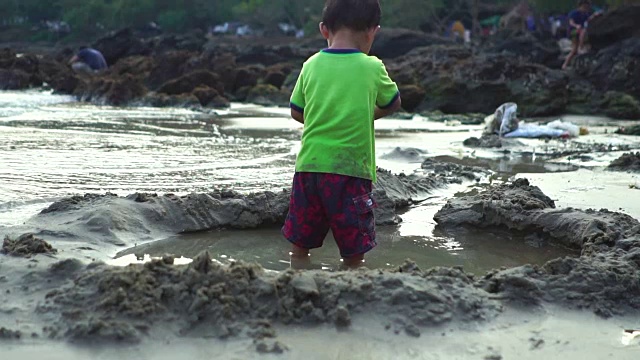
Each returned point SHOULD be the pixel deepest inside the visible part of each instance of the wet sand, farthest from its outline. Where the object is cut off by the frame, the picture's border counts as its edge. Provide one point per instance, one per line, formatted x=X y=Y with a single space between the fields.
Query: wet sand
x=554 y=334
x=104 y=149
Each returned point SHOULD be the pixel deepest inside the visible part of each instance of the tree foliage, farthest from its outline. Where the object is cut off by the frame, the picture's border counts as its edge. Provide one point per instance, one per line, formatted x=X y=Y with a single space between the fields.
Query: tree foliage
x=99 y=15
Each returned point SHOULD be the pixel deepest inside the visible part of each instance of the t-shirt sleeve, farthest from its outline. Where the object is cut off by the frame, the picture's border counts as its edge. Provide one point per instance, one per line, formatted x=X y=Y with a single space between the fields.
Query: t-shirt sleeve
x=387 y=89
x=297 y=101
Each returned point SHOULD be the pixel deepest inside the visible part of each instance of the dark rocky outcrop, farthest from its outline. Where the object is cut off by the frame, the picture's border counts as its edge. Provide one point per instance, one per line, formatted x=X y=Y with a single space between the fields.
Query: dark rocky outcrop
x=433 y=74
x=268 y=95
x=629 y=130
x=627 y=162
x=187 y=83
x=111 y=90
x=456 y=81
x=121 y=44
x=526 y=46
x=14 y=80
x=614 y=26
x=619 y=105
x=391 y=43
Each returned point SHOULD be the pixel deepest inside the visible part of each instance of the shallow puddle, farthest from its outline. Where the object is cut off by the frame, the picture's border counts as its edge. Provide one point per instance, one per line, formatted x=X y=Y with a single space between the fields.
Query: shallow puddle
x=476 y=251
x=512 y=165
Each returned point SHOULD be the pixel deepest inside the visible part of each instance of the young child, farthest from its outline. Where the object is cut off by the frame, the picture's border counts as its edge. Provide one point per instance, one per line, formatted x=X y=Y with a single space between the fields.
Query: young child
x=578 y=20
x=339 y=93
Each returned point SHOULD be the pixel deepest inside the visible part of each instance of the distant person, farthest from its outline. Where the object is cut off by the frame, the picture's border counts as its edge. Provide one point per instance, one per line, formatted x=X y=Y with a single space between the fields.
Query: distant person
x=88 y=61
x=457 y=30
x=578 y=22
x=338 y=95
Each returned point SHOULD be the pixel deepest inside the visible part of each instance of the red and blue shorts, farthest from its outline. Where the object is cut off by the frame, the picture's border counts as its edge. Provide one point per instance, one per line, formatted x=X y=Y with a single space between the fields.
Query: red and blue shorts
x=320 y=202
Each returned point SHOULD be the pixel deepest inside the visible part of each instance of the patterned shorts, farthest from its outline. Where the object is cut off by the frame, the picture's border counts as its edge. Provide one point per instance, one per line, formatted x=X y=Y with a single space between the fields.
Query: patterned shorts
x=320 y=202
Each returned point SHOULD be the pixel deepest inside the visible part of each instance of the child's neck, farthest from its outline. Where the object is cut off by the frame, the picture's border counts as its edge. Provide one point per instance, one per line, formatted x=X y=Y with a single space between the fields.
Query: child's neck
x=348 y=39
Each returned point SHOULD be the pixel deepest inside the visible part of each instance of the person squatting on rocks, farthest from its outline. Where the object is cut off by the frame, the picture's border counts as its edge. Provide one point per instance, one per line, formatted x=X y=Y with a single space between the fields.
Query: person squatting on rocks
x=339 y=93
x=88 y=61
x=578 y=22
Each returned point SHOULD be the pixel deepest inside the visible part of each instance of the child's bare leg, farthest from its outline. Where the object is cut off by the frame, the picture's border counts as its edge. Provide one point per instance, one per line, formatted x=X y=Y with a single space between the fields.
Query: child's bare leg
x=300 y=258
x=574 y=51
x=353 y=261
x=581 y=37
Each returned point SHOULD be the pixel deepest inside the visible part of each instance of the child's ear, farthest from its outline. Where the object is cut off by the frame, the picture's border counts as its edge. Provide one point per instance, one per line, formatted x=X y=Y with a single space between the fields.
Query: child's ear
x=324 y=30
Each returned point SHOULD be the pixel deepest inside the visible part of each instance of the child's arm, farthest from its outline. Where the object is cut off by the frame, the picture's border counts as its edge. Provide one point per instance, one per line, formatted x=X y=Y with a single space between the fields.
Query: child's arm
x=297 y=116
x=573 y=24
x=380 y=113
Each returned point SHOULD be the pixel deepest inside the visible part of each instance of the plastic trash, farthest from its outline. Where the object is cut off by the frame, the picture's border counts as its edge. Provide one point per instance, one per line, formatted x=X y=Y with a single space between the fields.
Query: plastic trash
x=536 y=131
x=573 y=130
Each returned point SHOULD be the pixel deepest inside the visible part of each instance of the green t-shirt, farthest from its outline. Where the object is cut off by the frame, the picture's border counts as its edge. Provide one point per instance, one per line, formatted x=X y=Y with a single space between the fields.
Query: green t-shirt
x=338 y=90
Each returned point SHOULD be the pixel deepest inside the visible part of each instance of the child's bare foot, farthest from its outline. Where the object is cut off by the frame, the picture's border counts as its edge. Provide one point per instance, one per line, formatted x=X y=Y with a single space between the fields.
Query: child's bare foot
x=353 y=262
x=299 y=258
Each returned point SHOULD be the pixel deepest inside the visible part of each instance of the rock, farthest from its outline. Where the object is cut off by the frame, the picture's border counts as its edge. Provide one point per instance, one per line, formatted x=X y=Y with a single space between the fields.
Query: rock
x=168 y=66
x=225 y=66
x=163 y=100
x=616 y=25
x=275 y=78
x=187 y=83
x=266 y=55
x=210 y=97
x=247 y=77
x=192 y=41
x=120 y=44
x=14 y=80
x=412 y=96
x=629 y=130
x=7 y=58
x=392 y=43
x=59 y=76
x=627 y=162
x=619 y=105
x=139 y=66
x=112 y=90
x=456 y=81
x=486 y=141
x=526 y=46
x=613 y=68
x=26 y=245
x=462 y=119
x=268 y=95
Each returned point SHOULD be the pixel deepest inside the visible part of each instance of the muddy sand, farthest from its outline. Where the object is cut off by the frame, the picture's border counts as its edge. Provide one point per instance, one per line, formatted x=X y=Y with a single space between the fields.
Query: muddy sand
x=140 y=304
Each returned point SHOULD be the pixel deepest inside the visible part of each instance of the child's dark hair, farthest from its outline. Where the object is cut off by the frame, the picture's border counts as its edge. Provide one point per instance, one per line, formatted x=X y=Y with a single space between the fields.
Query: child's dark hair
x=584 y=2
x=357 y=15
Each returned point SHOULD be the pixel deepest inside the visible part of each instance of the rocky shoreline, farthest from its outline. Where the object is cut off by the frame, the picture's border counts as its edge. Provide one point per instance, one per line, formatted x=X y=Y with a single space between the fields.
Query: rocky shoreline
x=433 y=73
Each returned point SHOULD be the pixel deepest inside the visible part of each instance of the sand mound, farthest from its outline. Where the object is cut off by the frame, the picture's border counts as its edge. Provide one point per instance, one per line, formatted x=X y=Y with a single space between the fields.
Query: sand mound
x=205 y=299
x=108 y=303
x=26 y=245
x=604 y=278
x=138 y=218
